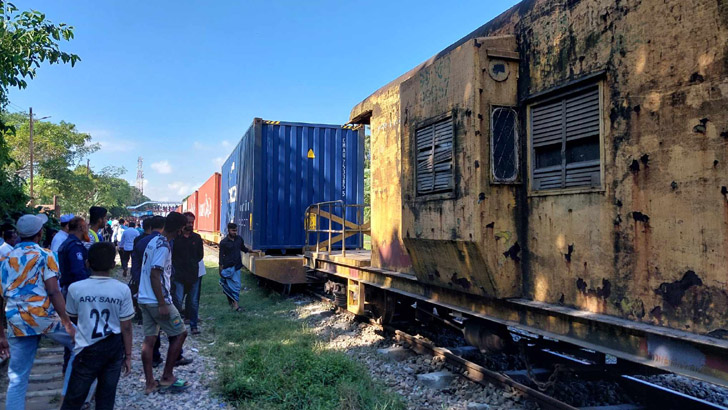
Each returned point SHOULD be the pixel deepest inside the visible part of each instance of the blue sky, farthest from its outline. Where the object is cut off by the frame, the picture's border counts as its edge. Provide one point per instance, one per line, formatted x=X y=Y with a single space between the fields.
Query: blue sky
x=179 y=82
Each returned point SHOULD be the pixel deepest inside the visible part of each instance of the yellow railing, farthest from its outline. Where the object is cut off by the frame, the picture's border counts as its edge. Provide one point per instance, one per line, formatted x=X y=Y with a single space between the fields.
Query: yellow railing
x=320 y=219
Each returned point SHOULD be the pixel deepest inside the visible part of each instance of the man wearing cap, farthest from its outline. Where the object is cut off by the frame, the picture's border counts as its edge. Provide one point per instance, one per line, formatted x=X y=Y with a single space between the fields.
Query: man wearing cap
x=34 y=306
x=72 y=254
x=62 y=234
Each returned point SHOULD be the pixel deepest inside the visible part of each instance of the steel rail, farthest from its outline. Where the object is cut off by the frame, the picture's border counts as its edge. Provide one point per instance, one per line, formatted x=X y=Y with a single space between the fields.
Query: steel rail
x=651 y=395
x=479 y=374
x=471 y=371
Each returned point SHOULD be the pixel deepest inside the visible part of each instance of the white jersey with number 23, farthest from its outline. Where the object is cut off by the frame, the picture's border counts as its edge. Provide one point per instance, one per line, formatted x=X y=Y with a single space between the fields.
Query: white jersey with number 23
x=100 y=303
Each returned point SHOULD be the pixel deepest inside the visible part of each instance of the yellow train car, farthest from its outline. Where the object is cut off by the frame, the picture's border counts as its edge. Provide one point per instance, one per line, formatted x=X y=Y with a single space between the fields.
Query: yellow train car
x=561 y=169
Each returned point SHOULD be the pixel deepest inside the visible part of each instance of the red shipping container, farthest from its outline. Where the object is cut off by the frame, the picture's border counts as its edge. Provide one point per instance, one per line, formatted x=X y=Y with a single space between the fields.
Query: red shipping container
x=208 y=205
x=192 y=206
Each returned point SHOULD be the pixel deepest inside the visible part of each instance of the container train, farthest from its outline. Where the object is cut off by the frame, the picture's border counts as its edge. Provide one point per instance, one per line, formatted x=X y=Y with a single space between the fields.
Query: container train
x=273 y=174
x=560 y=170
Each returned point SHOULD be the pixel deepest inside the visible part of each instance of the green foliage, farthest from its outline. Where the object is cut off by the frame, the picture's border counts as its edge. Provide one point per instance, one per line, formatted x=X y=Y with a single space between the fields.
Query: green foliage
x=270 y=361
x=12 y=196
x=56 y=147
x=28 y=39
x=81 y=188
x=59 y=151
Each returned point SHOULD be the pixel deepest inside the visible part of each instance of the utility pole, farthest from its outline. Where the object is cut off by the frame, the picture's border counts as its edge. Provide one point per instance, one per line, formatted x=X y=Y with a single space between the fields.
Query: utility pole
x=31 y=156
x=31 y=152
x=88 y=166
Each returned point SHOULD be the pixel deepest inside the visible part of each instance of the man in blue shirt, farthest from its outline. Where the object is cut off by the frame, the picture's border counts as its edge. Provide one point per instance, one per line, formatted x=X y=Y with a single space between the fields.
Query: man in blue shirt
x=72 y=254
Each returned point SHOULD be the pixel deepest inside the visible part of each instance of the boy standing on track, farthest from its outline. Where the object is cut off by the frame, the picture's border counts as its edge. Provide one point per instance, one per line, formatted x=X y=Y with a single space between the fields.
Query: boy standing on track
x=230 y=264
x=155 y=302
x=102 y=308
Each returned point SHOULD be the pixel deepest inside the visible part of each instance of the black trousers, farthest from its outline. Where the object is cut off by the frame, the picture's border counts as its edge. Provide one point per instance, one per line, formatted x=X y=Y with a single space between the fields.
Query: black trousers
x=125 y=256
x=102 y=360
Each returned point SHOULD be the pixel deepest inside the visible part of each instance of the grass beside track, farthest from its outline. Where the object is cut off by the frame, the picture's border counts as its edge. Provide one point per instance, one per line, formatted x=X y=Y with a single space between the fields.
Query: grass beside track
x=268 y=359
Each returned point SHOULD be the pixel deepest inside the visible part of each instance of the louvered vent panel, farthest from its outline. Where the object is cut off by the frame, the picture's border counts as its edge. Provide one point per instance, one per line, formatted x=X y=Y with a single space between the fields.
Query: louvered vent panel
x=571 y=122
x=547 y=124
x=434 y=158
x=582 y=115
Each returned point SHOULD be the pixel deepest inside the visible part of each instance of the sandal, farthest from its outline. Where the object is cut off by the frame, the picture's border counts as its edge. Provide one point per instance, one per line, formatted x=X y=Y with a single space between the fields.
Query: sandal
x=156 y=388
x=178 y=386
x=239 y=309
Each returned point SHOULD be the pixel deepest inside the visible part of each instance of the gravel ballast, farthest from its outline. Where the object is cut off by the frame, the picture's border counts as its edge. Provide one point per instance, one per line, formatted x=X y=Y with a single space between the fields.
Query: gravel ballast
x=201 y=373
x=361 y=342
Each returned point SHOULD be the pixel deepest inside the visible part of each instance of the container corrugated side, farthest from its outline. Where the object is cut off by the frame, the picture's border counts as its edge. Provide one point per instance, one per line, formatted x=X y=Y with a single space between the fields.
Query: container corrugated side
x=208 y=205
x=229 y=180
x=280 y=179
x=192 y=205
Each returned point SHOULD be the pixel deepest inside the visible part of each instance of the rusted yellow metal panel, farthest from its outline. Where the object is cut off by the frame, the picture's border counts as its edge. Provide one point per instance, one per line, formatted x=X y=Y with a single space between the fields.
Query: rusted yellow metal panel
x=212 y=237
x=355 y=297
x=281 y=269
x=650 y=244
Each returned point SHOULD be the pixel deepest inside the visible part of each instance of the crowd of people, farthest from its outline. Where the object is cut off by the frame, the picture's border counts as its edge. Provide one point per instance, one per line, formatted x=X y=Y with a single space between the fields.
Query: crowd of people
x=65 y=292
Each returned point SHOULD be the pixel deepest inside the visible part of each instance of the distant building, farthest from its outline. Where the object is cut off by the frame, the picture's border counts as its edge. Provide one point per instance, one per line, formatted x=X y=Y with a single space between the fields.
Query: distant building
x=153 y=208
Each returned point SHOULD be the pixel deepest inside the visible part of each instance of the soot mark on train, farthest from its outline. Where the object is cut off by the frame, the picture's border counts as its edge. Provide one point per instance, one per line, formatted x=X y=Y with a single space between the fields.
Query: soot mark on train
x=673 y=292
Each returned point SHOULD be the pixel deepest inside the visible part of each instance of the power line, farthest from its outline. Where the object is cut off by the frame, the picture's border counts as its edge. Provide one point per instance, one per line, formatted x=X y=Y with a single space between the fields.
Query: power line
x=15 y=106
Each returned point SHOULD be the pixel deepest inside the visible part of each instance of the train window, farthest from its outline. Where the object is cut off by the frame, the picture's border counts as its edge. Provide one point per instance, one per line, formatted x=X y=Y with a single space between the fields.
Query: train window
x=565 y=141
x=434 y=172
x=504 y=144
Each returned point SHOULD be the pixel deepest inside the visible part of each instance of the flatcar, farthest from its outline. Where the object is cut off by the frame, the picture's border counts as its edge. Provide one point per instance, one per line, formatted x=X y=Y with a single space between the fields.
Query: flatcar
x=561 y=169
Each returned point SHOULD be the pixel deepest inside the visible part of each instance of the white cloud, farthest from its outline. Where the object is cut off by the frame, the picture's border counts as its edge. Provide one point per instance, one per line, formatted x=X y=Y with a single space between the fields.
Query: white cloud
x=203 y=146
x=218 y=161
x=182 y=188
x=162 y=167
x=109 y=143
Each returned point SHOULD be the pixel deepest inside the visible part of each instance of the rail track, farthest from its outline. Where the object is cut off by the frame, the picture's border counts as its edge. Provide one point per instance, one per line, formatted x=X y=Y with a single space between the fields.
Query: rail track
x=544 y=363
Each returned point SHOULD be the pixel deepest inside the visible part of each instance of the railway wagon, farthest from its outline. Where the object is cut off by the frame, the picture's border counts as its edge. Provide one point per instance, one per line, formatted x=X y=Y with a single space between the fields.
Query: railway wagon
x=208 y=209
x=276 y=171
x=192 y=206
x=561 y=169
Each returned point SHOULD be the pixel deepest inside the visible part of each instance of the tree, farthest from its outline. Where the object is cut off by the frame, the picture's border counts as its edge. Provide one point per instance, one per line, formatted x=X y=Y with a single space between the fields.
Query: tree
x=27 y=39
x=57 y=147
x=81 y=188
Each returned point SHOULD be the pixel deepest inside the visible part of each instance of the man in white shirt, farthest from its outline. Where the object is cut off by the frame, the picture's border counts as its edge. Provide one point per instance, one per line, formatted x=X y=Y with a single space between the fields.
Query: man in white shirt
x=10 y=238
x=126 y=245
x=155 y=302
x=62 y=235
x=102 y=309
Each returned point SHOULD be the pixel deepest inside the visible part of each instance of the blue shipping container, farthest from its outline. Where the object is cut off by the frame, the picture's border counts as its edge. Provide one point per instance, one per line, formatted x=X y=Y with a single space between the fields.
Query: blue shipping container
x=270 y=179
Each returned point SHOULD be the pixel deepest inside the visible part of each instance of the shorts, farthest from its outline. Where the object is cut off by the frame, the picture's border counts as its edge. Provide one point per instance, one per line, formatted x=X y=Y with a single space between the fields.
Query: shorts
x=152 y=322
